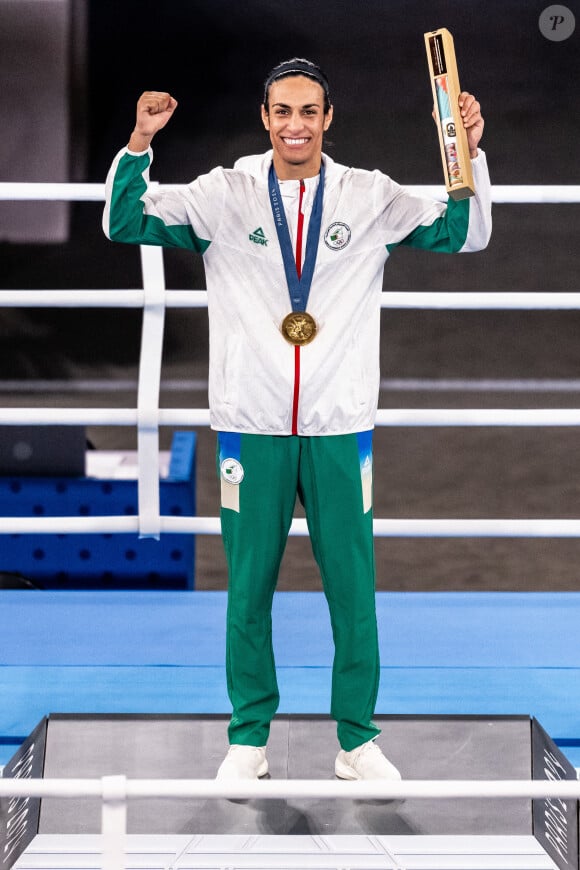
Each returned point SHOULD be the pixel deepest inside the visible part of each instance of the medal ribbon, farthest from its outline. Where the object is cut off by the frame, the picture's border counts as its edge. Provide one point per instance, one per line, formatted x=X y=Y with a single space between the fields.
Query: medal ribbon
x=298 y=287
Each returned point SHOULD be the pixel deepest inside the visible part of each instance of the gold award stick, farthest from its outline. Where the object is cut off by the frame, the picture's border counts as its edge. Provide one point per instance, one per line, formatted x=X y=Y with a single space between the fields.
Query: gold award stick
x=452 y=134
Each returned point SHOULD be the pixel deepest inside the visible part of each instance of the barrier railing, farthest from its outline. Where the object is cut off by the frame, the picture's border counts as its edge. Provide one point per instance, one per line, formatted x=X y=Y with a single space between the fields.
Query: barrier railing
x=116 y=791
x=154 y=298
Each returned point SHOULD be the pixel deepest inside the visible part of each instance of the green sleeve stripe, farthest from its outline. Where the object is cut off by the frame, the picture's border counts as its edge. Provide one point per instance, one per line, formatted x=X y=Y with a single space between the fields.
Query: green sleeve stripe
x=447 y=234
x=155 y=232
x=128 y=221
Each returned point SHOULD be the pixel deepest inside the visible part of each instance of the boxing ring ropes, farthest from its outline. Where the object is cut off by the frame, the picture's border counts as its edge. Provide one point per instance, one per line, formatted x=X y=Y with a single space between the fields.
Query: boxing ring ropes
x=116 y=791
x=154 y=298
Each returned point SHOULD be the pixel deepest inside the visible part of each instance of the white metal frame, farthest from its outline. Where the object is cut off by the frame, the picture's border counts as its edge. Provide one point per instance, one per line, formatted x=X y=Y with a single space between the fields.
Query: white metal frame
x=116 y=791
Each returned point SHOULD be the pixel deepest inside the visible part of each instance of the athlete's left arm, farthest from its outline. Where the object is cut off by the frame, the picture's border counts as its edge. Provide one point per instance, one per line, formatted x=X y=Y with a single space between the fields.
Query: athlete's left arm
x=462 y=225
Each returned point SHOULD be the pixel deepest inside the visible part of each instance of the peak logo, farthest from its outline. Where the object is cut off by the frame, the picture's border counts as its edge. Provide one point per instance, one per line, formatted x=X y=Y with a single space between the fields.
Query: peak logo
x=258 y=237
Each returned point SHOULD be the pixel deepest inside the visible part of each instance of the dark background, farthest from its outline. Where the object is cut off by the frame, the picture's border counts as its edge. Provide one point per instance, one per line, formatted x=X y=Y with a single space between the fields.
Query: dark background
x=213 y=57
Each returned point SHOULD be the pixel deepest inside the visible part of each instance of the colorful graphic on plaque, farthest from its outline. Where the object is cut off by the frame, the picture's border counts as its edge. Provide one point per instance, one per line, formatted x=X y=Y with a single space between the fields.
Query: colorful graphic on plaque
x=448 y=130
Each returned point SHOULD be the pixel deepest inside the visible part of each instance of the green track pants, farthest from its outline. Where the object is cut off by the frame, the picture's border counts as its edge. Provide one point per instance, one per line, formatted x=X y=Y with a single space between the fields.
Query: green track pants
x=332 y=475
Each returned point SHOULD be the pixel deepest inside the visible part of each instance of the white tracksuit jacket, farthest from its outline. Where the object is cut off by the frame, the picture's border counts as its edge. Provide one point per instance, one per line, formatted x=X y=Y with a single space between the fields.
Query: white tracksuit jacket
x=226 y=216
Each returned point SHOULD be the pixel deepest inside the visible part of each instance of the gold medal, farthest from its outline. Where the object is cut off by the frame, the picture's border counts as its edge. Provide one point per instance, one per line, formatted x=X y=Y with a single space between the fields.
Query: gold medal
x=299 y=327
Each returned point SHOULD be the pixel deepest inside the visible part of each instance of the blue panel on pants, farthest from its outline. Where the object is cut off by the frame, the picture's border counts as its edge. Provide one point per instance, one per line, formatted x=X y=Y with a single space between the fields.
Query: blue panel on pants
x=230 y=445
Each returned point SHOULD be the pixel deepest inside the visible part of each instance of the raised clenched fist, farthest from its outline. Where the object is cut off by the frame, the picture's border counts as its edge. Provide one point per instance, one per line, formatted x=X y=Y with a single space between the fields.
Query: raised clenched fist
x=154 y=109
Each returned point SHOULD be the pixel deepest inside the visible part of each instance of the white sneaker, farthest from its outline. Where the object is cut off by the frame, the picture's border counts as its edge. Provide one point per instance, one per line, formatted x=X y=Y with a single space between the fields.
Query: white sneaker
x=365 y=762
x=243 y=762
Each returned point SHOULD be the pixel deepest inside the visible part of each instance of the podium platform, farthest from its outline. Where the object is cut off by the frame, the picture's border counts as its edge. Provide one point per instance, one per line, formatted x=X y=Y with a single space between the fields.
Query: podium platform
x=298 y=833
x=296 y=853
x=457 y=659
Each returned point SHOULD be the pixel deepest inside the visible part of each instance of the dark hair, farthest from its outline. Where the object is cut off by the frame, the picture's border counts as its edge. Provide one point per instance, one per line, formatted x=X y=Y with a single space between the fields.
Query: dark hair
x=297 y=66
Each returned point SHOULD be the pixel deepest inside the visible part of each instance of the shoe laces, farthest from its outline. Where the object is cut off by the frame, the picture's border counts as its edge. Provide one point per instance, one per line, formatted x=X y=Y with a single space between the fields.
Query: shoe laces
x=365 y=748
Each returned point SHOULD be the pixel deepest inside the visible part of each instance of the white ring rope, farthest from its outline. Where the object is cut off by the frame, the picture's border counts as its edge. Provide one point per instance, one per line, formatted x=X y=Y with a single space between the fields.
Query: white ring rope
x=102 y=298
x=89 y=192
x=393 y=417
x=148 y=391
x=485 y=300
x=114 y=821
x=154 y=298
x=275 y=789
x=115 y=791
x=382 y=528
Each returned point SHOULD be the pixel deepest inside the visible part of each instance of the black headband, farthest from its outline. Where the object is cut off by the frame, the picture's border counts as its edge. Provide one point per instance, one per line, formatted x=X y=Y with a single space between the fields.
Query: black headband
x=297 y=66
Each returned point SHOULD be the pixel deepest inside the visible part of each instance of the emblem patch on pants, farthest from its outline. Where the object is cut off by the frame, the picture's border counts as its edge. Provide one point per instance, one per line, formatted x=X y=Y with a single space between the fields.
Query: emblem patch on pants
x=232 y=474
x=232 y=471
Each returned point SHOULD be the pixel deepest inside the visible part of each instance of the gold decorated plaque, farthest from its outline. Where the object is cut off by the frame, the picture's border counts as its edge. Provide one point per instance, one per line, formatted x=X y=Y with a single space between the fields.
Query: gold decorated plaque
x=299 y=327
x=452 y=134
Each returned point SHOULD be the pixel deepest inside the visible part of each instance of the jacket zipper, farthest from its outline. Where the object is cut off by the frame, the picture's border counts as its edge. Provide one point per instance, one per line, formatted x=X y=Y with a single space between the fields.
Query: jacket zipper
x=299 y=231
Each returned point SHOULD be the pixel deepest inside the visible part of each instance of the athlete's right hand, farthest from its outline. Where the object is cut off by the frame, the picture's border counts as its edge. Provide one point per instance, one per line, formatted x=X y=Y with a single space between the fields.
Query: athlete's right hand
x=154 y=109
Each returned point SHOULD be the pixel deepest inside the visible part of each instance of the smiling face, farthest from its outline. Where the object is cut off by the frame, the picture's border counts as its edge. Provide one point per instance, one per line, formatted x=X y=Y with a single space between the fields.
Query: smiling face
x=296 y=122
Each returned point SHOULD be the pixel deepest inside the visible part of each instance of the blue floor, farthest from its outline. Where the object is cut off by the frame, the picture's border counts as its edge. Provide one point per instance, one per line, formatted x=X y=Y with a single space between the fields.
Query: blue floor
x=162 y=652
